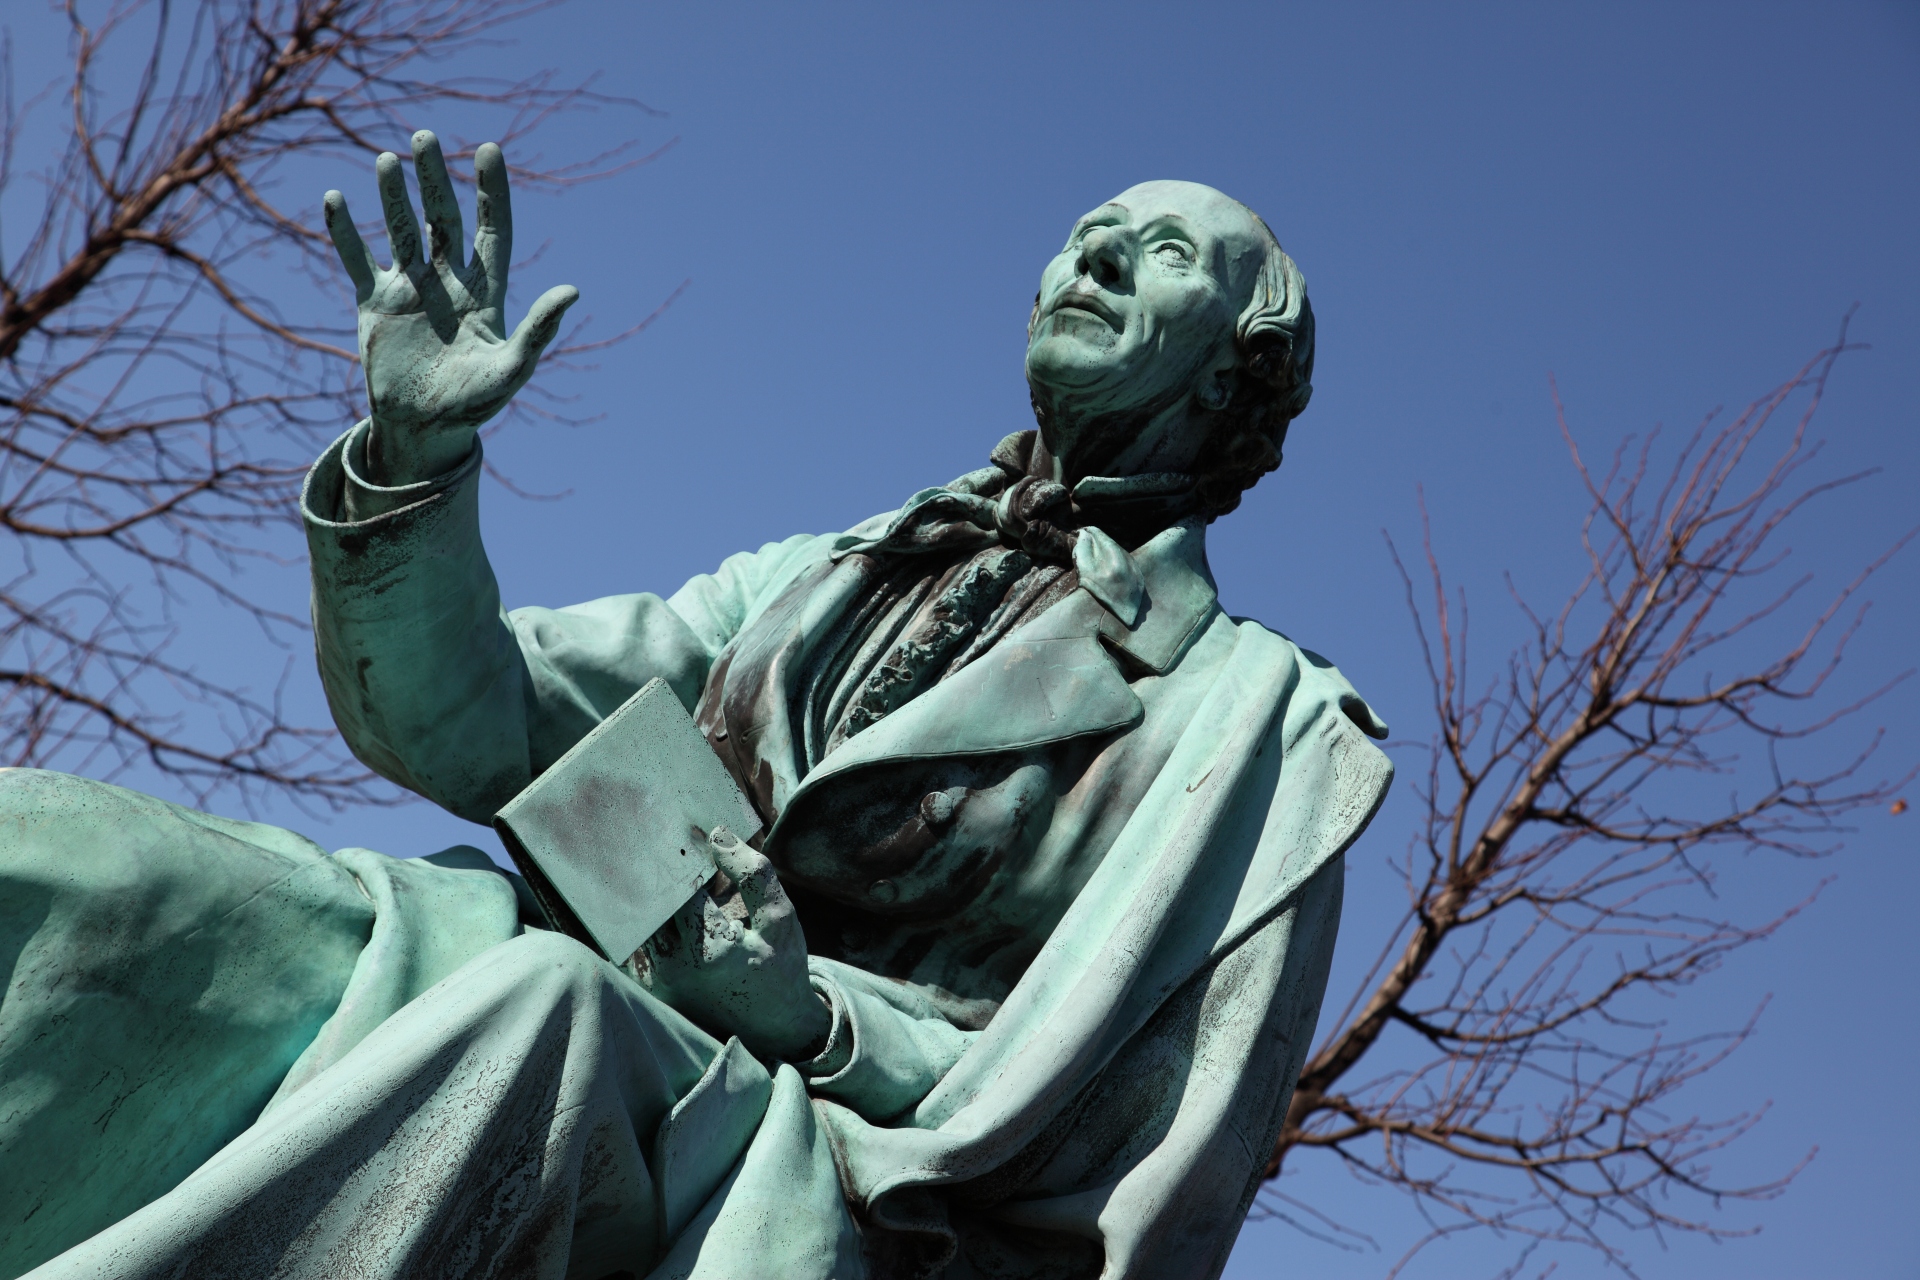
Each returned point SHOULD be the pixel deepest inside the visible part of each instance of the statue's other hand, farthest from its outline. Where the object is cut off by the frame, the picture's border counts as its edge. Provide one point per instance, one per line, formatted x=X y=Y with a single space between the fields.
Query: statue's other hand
x=433 y=341
x=734 y=960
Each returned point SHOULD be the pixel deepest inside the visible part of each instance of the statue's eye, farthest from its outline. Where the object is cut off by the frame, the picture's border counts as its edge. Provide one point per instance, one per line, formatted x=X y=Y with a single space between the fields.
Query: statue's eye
x=1171 y=251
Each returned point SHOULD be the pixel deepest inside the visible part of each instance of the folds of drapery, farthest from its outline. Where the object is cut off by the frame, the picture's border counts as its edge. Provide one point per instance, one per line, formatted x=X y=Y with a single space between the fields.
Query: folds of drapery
x=1223 y=886
x=453 y=1096
x=171 y=973
x=535 y=1115
x=164 y=969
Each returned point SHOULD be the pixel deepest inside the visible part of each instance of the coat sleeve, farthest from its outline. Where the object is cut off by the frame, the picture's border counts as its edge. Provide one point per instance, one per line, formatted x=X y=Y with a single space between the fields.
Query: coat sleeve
x=438 y=688
x=888 y=1045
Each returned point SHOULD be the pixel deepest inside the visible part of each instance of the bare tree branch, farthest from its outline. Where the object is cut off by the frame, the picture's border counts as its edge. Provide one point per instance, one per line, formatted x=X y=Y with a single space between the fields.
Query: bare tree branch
x=158 y=407
x=1505 y=1062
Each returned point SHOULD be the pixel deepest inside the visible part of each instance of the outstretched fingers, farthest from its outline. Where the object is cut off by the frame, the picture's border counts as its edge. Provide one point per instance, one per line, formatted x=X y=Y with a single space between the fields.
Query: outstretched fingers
x=538 y=329
x=403 y=233
x=353 y=251
x=446 y=237
x=493 y=222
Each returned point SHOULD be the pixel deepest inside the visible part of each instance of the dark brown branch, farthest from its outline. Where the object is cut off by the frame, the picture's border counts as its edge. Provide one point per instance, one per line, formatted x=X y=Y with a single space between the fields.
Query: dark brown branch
x=156 y=412
x=1558 y=845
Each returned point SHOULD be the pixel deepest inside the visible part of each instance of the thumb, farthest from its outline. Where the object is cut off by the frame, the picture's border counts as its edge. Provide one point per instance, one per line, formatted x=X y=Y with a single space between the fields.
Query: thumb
x=538 y=328
x=750 y=869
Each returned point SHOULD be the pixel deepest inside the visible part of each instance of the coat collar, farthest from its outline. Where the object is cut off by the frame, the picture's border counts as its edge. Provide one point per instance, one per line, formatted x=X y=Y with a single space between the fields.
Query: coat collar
x=1164 y=584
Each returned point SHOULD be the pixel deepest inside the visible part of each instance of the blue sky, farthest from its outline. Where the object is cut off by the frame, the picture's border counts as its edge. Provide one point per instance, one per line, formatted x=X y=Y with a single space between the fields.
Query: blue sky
x=1664 y=208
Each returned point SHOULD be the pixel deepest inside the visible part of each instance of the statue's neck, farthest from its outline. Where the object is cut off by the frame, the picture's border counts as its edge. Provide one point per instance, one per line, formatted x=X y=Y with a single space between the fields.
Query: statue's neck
x=1135 y=446
x=1154 y=439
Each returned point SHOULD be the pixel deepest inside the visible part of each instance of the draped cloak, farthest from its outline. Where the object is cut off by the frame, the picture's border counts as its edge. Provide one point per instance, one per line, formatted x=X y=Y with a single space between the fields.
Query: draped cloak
x=1098 y=1100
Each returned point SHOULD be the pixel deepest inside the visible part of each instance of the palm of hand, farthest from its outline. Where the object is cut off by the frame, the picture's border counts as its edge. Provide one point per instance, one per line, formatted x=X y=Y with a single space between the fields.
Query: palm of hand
x=433 y=342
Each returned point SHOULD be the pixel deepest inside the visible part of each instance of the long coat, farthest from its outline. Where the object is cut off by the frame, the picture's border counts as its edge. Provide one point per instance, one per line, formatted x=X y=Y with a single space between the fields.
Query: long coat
x=1192 y=917
x=1070 y=1060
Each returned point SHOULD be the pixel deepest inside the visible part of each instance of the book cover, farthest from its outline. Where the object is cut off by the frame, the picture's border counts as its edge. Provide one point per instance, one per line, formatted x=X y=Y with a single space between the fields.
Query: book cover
x=613 y=837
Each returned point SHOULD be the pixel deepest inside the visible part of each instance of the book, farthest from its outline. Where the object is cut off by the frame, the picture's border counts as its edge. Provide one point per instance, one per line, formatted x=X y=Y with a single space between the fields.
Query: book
x=612 y=838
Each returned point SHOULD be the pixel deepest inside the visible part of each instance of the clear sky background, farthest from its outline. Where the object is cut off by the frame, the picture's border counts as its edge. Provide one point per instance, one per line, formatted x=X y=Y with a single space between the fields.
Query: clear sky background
x=1666 y=207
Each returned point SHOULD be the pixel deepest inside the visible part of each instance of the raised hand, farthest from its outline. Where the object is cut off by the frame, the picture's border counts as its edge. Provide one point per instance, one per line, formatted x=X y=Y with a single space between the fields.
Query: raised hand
x=433 y=341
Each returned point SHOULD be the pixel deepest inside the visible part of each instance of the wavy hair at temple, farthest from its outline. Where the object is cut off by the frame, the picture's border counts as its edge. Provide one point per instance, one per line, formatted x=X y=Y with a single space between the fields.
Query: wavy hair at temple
x=1274 y=381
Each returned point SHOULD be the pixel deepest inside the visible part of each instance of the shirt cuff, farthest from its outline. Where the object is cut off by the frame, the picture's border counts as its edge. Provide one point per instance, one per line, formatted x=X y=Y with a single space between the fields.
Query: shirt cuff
x=838 y=1051
x=881 y=1058
x=362 y=500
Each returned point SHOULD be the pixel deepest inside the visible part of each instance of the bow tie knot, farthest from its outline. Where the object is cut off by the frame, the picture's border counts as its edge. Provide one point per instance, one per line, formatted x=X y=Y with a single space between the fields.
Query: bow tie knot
x=1006 y=504
x=1036 y=516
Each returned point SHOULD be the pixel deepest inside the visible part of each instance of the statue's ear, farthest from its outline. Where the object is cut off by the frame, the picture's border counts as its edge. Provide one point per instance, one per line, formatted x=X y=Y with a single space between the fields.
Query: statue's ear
x=1221 y=379
x=1215 y=390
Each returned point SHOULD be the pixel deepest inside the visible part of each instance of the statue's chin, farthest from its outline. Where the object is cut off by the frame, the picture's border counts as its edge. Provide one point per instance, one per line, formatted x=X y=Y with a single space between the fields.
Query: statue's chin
x=1068 y=366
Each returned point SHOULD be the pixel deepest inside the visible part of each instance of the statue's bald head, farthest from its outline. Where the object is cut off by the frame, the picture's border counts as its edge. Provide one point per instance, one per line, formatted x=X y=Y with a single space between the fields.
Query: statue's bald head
x=1171 y=334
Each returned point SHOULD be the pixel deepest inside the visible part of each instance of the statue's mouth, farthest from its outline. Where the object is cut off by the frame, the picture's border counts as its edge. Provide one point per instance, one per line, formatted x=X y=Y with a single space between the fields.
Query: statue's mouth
x=1093 y=305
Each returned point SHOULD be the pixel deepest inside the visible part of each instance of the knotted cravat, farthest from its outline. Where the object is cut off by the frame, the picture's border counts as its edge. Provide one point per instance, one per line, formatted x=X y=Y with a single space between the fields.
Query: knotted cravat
x=1007 y=505
x=1023 y=539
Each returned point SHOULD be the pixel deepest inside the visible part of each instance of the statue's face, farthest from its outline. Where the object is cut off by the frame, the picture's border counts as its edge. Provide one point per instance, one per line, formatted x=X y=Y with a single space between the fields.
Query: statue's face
x=1138 y=311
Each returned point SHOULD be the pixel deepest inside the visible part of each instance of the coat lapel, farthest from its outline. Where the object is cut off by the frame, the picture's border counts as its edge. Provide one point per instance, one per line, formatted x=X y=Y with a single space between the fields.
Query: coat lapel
x=1063 y=675
x=1179 y=599
x=1019 y=694
x=746 y=711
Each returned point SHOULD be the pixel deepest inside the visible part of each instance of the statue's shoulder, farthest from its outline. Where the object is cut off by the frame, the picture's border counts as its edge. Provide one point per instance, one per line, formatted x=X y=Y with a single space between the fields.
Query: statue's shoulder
x=1318 y=683
x=1330 y=780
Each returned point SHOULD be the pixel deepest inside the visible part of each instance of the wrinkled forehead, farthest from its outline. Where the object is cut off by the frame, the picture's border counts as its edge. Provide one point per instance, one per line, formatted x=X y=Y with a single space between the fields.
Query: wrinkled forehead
x=1221 y=227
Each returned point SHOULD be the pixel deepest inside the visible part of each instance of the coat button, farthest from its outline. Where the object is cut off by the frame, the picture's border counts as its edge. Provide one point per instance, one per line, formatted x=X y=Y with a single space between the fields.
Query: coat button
x=936 y=808
x=883 y=891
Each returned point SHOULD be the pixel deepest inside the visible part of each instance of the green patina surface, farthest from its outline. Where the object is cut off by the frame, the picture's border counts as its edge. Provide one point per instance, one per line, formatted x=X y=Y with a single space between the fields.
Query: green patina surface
x=1015 y=983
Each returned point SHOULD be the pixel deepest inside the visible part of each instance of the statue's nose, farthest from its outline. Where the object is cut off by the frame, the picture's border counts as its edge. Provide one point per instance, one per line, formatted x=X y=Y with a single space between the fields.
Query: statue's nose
x=1103 y=255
